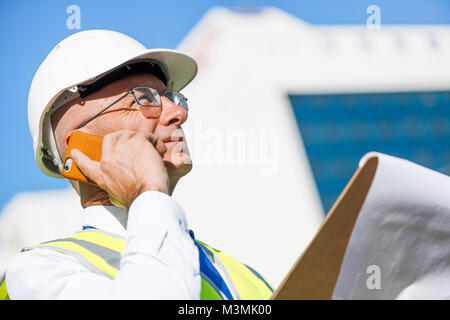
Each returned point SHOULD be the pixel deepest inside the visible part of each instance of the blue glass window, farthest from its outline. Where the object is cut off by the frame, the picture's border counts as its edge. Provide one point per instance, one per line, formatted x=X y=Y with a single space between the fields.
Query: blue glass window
x=338 y=129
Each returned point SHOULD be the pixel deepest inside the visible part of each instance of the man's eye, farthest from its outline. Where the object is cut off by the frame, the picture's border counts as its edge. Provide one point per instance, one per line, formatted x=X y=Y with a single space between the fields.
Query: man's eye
x=148 y=101
x=144 y=99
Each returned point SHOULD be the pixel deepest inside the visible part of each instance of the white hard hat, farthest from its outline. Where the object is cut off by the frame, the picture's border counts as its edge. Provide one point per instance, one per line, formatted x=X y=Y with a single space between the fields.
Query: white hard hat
x=83 y=59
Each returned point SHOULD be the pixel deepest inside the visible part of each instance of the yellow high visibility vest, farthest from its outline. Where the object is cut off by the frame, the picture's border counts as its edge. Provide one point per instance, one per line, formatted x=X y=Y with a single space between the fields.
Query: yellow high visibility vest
x=222 y=276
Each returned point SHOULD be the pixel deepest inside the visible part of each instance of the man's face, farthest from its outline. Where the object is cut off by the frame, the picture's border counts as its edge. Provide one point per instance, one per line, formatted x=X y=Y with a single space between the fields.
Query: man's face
x=127 y=115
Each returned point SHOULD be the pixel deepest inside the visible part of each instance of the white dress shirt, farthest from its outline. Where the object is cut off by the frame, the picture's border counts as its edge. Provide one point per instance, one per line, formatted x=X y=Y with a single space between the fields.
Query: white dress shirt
x=160 y=260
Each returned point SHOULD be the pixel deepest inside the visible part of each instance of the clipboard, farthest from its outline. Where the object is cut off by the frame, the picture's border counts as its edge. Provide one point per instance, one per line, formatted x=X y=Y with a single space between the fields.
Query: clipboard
x=315 y=273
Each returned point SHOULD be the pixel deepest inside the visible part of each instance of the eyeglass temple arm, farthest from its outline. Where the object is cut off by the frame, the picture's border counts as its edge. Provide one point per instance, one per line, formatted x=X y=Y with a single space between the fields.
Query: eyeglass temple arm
x=99 y=113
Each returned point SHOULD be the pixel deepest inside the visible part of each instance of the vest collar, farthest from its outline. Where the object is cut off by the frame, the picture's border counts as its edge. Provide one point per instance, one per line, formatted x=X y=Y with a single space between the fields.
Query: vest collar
x=108 y=218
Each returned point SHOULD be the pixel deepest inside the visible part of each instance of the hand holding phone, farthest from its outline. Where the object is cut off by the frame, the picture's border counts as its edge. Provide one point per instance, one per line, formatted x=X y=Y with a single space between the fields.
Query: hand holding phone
x=125 y=164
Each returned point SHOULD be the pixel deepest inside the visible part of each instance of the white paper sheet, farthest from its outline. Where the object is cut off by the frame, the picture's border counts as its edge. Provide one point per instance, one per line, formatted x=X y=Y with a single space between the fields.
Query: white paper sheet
x=400 y=246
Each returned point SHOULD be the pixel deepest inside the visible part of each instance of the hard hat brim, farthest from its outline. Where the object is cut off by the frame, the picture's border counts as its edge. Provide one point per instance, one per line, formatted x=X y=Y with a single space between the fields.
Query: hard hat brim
x=178 y=67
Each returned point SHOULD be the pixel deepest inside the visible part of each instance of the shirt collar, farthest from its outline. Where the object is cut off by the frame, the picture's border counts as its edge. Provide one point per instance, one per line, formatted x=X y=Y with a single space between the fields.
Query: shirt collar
x=107 y=218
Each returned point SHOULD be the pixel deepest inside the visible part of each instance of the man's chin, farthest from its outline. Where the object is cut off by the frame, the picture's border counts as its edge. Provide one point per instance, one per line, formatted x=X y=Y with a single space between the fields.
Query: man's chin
x=176 y=172
x=177 y=160
x=180 y=167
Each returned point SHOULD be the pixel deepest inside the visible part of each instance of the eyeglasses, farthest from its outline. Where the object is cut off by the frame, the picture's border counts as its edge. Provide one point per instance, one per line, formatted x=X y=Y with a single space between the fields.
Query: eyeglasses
x=147 y=97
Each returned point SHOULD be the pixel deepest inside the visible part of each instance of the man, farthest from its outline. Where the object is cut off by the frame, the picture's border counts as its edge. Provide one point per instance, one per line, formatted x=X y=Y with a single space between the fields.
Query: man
x=135 y=242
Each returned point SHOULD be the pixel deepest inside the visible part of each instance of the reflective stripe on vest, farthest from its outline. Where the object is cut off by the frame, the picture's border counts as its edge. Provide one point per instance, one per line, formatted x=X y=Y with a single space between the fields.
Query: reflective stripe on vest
x=249 y=284
x=3 y=291
x=222 y=277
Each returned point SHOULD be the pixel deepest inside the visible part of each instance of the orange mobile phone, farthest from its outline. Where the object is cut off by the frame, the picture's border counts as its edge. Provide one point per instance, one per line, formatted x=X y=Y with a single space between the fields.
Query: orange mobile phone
x=90 y=145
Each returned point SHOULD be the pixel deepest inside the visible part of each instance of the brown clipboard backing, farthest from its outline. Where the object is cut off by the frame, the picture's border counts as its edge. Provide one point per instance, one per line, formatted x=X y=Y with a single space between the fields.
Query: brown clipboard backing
x=315 y=273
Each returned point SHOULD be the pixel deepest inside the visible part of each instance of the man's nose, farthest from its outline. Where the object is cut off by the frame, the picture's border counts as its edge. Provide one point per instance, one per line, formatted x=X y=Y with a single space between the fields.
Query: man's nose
x=172 y=113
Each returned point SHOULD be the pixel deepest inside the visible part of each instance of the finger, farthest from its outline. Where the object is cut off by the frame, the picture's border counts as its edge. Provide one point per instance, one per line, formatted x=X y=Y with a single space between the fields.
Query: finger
x=109 y=141
x=88 y=167
x=157 y=143
x=161 y=147
x=125 y=136
x=152 y=138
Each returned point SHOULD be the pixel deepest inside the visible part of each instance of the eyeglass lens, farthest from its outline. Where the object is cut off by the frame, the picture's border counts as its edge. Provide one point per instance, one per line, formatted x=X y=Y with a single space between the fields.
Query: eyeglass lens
x=149 y=97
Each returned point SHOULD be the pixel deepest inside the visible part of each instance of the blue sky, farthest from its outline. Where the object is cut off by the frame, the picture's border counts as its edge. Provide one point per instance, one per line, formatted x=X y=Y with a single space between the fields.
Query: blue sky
x=30 y=29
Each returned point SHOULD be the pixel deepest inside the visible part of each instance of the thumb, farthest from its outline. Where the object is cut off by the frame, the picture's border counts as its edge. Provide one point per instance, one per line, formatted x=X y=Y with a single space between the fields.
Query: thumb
x=88 y=167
